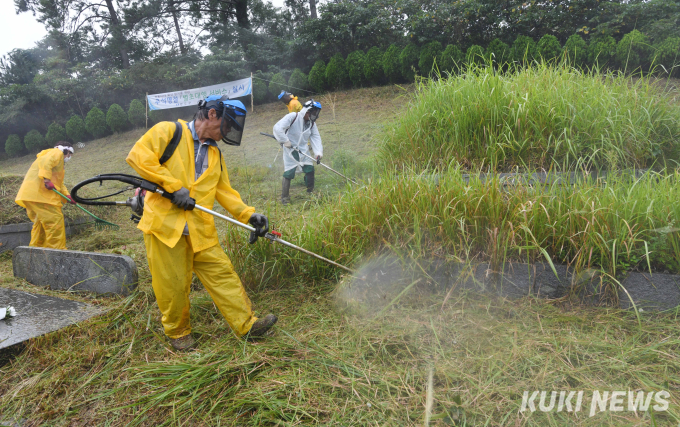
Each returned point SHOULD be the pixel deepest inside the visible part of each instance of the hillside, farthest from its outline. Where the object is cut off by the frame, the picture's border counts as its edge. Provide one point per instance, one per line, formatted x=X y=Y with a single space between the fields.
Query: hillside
x=359 y=115
x=346 y=354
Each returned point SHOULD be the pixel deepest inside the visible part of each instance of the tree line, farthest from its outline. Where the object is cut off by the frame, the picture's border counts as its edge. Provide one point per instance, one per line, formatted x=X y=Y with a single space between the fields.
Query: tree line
x=101 y=53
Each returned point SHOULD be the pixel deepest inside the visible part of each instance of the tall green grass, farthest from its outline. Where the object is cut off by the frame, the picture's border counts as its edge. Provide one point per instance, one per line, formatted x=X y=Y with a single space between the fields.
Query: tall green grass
x=537 y=117
x=623 y=224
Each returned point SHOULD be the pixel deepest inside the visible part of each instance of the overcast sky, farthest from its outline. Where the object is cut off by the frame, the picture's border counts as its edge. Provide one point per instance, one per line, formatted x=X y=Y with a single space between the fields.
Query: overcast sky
x=22 y=31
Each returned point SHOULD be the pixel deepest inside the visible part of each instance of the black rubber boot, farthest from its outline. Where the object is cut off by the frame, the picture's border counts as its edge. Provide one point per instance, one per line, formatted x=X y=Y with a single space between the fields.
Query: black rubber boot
x=262 y=325
x=309 y=180
x=285 y=191
x=184 y=343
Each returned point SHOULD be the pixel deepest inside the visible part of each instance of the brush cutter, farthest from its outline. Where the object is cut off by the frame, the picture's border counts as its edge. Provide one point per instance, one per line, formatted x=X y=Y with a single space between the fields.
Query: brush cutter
x=314 y=160
x=137 y=182
x=99 y=223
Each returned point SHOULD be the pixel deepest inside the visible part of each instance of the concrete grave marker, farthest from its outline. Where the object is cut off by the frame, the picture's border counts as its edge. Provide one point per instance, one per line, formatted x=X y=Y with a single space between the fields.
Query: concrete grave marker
x=14 y=235
x=38 y=315
x=75 y=270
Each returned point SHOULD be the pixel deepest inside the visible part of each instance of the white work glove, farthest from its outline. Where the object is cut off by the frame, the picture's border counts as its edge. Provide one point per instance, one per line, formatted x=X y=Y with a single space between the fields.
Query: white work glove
x=286 y=144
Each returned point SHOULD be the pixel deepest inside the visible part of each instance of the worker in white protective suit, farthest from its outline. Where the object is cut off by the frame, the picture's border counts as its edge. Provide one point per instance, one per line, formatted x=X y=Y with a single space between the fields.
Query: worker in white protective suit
x=293 y=132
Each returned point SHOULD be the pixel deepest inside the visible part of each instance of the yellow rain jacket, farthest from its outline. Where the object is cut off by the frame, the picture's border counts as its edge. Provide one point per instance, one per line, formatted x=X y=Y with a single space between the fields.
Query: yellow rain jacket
x=161 y=217
x=294 y=105
x=49 y=164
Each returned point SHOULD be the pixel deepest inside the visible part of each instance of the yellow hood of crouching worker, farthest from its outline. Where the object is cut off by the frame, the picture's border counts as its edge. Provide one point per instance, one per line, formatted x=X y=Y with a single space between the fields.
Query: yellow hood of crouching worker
x=161 y=217
x=48 y=164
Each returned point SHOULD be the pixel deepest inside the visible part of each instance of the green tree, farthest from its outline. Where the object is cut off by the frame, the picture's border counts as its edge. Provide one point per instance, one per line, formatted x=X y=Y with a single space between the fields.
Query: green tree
x=498 y=52
x=298 y=80
x=13 y=146
x=474 y=55
x=428 y=57
x=549 y=48
x=277 y=84
x=633 y=51
x=576 y=50
x=55 y=133
x=336 y=72
x=317 y=76
x=451 y=60
x=116 y=118
x=75 y=128
x=667 y=53
x=355 y=67
x=391 y=64
x=524 y=50
x=409 y=57
x=136 y=114
x=373 y=70
x=601 y=51
x=260 y=89
x=34 y=141
x=95 y=122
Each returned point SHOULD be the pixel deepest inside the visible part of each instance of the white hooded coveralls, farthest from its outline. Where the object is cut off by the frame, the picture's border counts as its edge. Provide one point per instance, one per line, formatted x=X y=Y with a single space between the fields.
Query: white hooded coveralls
x=298 y=136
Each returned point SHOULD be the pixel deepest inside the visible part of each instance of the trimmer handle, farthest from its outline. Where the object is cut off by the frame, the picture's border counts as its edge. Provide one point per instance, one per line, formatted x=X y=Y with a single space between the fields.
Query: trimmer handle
x=168 y=195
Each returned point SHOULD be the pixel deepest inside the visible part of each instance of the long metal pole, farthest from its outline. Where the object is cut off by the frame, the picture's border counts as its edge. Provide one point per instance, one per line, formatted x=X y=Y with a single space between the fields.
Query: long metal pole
x=274 y=238
x=270 y=236
x=313 y=159
x=252 y=104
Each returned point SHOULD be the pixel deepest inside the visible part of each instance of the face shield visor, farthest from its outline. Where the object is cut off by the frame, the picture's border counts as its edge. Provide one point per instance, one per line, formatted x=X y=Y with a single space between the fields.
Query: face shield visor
x=314 y=108
x=285 y=97
x=233 y=117
x=233 y=122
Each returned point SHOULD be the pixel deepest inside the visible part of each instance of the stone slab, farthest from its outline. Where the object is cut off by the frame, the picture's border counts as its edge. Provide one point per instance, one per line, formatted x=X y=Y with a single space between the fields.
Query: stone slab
x=652 y=292
x=38 y=315
x=75 y=270
x=15 y=235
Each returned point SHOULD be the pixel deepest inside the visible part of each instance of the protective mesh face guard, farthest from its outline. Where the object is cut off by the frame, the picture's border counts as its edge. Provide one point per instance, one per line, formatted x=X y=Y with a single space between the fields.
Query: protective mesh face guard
x=314 y=108
x=233 y=117
x=314 y=114
x=233 y=122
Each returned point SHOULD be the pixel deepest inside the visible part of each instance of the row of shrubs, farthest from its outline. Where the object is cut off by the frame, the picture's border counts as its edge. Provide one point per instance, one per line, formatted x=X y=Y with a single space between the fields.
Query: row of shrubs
x=96 y=125
x=397 y=64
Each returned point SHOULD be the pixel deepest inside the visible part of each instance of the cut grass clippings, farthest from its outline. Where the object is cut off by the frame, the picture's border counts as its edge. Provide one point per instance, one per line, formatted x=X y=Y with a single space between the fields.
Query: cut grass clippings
x=326 y=368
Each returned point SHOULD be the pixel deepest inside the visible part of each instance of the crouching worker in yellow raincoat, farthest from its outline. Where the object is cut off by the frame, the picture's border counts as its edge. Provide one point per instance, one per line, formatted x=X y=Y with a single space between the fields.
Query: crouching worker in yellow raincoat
x=180 y=241
x=291 y=101
x=43 y=205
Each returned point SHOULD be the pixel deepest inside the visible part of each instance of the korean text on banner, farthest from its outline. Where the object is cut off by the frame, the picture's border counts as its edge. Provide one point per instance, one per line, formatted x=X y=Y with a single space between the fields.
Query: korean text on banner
x=190 y=97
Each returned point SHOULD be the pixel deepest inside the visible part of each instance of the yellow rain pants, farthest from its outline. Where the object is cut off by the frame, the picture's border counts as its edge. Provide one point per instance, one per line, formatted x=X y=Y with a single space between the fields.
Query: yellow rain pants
x=171 y=280
x=294 y=105
x=48 y=225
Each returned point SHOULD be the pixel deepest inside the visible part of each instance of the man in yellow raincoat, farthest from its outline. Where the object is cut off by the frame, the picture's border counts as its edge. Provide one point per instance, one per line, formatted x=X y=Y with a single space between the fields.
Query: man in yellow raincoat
x=291 y=101
x=179 y=241
x=43 y=205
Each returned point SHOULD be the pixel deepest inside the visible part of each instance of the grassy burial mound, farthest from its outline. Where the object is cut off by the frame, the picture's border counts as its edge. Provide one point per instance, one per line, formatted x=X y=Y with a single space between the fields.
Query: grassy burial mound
x=625 y=224
x=544 y=117
x=539 y=117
